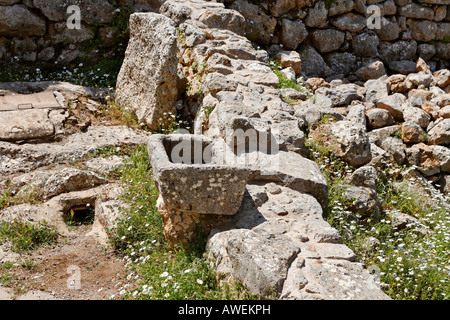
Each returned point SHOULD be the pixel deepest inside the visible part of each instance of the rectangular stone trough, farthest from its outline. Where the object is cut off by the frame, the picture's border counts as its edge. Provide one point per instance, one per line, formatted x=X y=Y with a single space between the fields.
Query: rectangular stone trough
x=192 y=174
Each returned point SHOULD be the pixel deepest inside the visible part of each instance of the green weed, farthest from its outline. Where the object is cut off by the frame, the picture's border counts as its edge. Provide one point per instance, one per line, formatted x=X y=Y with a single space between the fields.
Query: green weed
x=25 y=236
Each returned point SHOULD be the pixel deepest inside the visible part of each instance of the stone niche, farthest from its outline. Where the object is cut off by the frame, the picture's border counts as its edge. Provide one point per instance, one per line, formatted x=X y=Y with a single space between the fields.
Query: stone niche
x=198 y=181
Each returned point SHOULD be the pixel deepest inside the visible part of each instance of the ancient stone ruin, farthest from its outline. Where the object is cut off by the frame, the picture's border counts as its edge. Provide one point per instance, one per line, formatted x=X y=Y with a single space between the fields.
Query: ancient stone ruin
x=272 y=240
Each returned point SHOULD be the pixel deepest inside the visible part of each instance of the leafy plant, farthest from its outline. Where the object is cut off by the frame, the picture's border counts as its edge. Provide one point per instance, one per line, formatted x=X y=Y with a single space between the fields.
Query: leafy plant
x=25 y=236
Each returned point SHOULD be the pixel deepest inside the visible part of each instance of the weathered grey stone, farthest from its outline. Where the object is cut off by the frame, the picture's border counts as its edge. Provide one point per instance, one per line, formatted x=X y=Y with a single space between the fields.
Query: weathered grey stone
x=350 y=22
x=365 y=45
x=258 y=260
x=426 y=51
x=394 y=104
x=417 y=97
x=376 y=89
x=98 y=11
x=419 y=79
x=336 y=279
x=443 y=50
x=177 y=11
x=423 y=30
x=289 y=136
x=215 y=82
x=403 y=66
x=363 y=201
x=192 y=35
x=341 y=95
x=258 y=25
x=412 y=133
x=64 y=35
x=312 y=62
x=396 y=51
x=341 y=63
x=444 y=183
x=443 y=31
x=413 y=10
x=289 y=59
x=401 y=221
x=26 y=157
x=25 y=125
x=416 y=115
x=327 y=40
x=365 y=176
x=357 y=114
x=46 y=54
x=317 y=16
x=147 y=81
x=441 y=101
x=389 y=30
x=293 y=94
x=289 y=169
x=395 y=148
x=110 y=212
x=379 y=118
x=378 y=135
x=52 y=183
x=104 y=165
x=289 y=73
x=292 y=33
x=371 y=244
x=340 y=6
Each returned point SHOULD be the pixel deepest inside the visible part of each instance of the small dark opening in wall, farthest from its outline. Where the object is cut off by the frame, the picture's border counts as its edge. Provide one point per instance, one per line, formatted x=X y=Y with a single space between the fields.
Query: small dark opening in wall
x=80 y=215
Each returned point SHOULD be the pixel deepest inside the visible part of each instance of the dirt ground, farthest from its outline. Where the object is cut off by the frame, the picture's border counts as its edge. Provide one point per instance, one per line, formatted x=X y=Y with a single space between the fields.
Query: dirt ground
x=78 y=267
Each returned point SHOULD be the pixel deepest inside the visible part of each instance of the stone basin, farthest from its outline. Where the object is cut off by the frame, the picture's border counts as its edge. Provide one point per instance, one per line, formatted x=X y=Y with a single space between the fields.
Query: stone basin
x=193 y=174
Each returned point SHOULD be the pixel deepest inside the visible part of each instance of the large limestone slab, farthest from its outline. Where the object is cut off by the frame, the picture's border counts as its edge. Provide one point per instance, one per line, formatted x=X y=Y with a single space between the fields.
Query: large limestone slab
x=21 y=158
x=147 y=81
